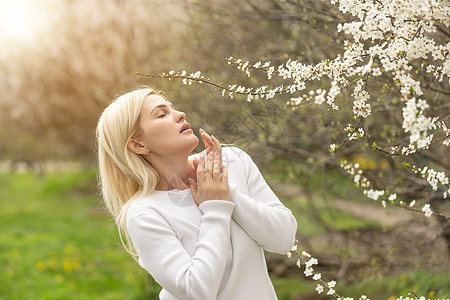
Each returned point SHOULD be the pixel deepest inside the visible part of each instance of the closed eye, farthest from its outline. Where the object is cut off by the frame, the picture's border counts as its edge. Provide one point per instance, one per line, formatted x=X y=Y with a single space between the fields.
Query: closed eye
x=162 y=115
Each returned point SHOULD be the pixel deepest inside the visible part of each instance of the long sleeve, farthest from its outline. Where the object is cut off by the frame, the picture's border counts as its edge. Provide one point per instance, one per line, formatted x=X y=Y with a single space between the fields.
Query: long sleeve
x=261 y=214
x=163 y=256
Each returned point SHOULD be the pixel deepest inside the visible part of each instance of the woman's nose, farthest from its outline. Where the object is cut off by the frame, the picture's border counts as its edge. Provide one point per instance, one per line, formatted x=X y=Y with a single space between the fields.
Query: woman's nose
x=180 y=116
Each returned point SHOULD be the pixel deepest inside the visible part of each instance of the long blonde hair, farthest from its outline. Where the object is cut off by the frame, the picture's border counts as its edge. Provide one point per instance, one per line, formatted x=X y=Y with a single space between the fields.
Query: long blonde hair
x=123 y=175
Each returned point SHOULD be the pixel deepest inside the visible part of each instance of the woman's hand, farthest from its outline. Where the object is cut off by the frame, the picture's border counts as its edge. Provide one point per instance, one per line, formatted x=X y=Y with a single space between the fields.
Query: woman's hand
x=212 y=180
x=211 y=144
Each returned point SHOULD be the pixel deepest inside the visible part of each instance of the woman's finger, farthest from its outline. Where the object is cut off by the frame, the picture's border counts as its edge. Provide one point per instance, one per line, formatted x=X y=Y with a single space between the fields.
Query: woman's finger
x=201 y=170
x=216 y=168
x=209 y=166
x=194 y=190
x=193 y=186
x=195 y=163
x=224 y=175
x=183 y=185
x=218 y=148
x=209 y=144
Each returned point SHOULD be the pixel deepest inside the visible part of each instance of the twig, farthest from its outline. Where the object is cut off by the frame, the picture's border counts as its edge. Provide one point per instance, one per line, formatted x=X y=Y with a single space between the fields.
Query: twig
x=302 y=260
x=348 y=137
x=417 y=210
x=375 y=147
x=217 y=85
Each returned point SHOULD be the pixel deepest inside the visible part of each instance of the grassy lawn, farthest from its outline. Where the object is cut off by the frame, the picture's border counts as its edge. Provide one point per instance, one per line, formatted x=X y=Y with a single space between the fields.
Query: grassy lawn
x=56 y=242
x=430 y=285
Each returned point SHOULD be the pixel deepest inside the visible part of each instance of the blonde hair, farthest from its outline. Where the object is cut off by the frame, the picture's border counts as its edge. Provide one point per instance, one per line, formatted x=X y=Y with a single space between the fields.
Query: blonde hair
x=123 y=175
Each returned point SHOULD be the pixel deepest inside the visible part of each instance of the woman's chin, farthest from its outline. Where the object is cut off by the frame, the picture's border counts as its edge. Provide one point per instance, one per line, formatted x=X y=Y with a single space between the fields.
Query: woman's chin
x=192 y=144
x=195 y=141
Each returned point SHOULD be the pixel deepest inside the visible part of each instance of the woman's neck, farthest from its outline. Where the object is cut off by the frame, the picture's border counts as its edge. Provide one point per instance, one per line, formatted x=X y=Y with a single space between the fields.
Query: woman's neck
x=174 y=173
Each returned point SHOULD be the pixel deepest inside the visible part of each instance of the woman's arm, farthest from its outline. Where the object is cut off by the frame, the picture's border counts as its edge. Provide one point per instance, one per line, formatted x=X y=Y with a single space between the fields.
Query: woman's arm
x=260 y=213
x=164 y=257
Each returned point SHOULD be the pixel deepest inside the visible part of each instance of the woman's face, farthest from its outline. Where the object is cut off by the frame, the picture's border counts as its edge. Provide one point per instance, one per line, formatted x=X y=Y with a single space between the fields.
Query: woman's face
x=164 y=130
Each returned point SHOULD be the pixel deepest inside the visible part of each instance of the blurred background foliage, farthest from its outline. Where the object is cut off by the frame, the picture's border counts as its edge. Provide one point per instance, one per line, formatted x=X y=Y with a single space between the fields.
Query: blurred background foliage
x=80 y=54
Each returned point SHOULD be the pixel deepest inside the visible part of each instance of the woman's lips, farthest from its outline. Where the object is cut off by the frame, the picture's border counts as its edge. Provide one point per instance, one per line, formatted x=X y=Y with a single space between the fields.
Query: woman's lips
x=186 y=126
x=186 y=130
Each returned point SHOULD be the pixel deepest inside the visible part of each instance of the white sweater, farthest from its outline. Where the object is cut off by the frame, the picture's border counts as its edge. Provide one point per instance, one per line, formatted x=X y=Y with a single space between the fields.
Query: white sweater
x=215 y=250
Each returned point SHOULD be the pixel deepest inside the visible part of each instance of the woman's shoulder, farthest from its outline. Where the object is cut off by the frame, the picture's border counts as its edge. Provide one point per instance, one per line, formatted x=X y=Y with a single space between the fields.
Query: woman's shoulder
x=143 y=205
x=234 y=155
x=233 y=151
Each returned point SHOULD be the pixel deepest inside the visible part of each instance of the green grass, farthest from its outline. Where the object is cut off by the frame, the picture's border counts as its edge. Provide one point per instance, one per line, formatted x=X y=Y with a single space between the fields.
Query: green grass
x=57 y=243
x=287 y=288
x=430 y=285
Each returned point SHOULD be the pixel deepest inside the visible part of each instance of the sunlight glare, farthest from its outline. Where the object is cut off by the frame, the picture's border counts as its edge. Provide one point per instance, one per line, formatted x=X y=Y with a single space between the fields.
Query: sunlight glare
x=21 y=20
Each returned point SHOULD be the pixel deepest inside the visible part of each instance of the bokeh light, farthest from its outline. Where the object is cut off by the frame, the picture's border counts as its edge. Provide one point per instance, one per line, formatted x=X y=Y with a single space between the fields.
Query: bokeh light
x=23 y=21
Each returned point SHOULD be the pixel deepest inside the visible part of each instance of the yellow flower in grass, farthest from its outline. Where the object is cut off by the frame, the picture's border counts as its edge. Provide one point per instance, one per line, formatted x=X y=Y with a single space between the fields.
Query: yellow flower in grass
x=76 y=264
x=67 y=266
x=69 y=249
x=51 y=264
x=59 y=278
x=40 y=266
x=54 y=254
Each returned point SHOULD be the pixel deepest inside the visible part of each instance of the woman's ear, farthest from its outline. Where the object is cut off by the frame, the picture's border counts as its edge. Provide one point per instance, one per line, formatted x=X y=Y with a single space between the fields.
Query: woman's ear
x=136 y=147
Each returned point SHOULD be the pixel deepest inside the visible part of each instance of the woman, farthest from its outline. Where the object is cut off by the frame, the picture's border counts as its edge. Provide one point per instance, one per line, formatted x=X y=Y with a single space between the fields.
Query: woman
x=198 y=224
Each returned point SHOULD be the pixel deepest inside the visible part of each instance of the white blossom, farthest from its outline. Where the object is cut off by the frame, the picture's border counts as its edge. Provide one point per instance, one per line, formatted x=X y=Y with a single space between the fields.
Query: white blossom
x=304 y=253
x=311 y=262
x=427 y=210
x=360 y=106
x=373 y=194
x=319 y=288
x=308 y=271
x=317 y=276
x=416 y=123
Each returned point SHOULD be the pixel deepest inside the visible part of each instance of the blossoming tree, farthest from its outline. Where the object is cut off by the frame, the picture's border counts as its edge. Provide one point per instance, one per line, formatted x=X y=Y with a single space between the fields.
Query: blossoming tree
x=394 y=70
x=408 y=43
